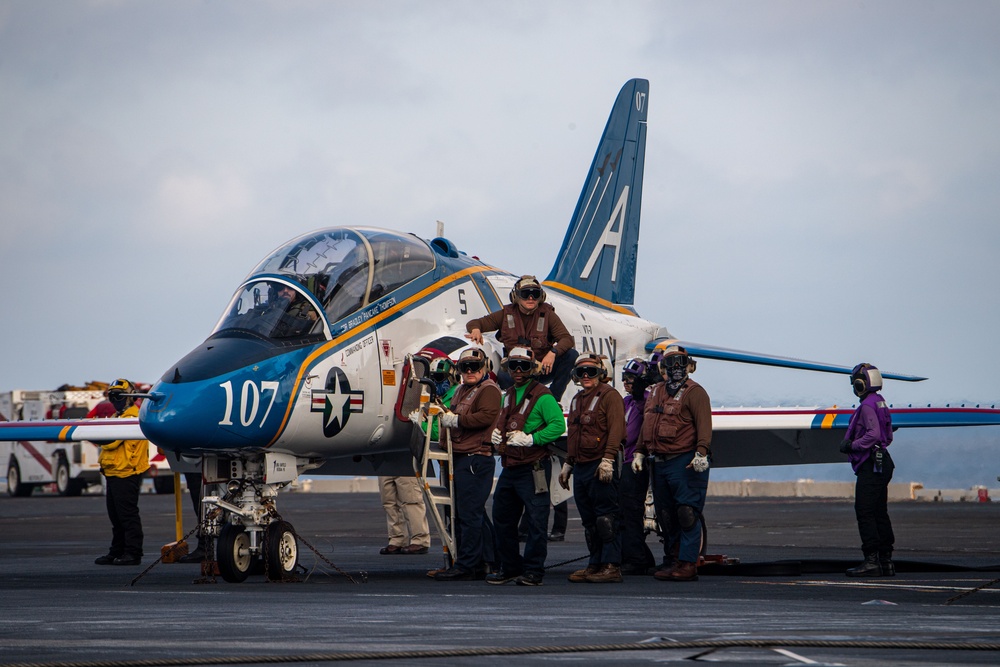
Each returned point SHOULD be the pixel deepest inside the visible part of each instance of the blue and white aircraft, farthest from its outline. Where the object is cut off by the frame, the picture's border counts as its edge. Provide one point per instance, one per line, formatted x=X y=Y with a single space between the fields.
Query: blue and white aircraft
x=307 y=367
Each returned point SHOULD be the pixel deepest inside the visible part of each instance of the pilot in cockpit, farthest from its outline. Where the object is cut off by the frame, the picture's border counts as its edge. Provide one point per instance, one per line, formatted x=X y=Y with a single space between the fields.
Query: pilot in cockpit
x=285 y=313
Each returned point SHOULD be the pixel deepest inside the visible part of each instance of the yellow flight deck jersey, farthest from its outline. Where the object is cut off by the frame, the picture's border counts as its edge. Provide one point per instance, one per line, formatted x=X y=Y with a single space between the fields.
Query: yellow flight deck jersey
x=124 y=458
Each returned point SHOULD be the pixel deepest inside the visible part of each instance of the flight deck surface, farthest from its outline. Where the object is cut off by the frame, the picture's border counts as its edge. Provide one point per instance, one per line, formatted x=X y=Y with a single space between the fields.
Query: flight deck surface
x=57 y=606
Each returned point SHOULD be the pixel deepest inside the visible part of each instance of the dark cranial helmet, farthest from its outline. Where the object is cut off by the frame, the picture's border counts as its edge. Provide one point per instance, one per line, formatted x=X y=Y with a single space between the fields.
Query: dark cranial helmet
x=442 y=369
x=865 y=379
x=635 y=369
x=117 y=394
x=527 y=285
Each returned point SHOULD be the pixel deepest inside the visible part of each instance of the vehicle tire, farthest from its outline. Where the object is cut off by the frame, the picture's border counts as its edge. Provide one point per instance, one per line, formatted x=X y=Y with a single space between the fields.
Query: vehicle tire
x=64 y=483
x=15 y=487
x=281 y=550
x=163 y=484
x=233 y=552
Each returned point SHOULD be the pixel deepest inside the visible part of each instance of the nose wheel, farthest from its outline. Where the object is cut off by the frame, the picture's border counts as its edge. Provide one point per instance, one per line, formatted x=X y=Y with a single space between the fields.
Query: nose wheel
x=233 y=553
x=280 y=551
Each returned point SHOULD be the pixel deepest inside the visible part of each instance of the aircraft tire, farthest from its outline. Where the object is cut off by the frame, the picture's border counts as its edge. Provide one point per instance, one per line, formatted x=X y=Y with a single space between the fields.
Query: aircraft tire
x=233 y=552
x=281 y=549
x=15 y=487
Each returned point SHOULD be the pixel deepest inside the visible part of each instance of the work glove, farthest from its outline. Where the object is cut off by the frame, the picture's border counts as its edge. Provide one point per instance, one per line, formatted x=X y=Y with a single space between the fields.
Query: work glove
x=520 y=439
x=637 y=460
x=449 y=419
x=564 y=474
x=416 y=417
x=497 y=437
x=845 y=446
x=606 y=470
x=699 y=463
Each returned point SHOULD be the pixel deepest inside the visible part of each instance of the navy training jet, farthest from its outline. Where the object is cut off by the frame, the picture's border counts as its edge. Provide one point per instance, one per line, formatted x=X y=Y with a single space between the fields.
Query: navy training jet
x=308 y=367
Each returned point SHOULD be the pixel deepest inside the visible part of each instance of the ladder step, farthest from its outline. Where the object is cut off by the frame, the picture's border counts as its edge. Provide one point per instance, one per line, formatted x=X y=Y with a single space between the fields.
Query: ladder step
x=439 y=494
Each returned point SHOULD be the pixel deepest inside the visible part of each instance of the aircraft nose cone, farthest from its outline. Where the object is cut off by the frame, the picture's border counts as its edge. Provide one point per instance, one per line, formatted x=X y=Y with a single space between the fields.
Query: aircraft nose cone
x=211 y=415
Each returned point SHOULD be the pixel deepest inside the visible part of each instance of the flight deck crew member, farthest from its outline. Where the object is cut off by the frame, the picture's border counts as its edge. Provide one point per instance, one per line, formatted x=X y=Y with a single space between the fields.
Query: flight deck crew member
x=676 y=436
x=527 y=321
x=474 y=409
x=869 y=433
x=529 y=420
x=123 y=463
x=636 y=556
x=596 y=431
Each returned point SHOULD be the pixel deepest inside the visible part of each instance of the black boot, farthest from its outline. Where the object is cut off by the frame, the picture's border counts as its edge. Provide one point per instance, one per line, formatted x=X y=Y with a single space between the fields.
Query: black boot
x=888 y=567
x=870 y=568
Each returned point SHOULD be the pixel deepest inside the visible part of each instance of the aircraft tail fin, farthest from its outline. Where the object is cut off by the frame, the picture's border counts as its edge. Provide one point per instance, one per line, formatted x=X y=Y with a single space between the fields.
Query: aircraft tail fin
x=598 y=257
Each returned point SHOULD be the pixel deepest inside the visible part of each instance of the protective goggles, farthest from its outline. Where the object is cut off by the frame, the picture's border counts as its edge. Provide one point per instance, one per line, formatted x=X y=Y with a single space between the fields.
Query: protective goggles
x=520 y=365
x=471 y=366
x=530 y=293
x=439 y=377
x=581 y=372
x=674 y=361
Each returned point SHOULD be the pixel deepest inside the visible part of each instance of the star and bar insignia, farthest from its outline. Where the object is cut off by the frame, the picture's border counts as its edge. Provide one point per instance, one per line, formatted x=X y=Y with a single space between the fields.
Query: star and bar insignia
x=337 y=401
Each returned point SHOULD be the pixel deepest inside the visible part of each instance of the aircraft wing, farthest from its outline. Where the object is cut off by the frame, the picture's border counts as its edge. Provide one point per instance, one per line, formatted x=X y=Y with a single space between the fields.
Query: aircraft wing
x=72 y=430
x=795 y=436
x=741 y=356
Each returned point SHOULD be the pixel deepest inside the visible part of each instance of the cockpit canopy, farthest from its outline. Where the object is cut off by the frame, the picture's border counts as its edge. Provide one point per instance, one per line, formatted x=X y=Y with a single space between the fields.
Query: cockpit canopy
x=341 y=270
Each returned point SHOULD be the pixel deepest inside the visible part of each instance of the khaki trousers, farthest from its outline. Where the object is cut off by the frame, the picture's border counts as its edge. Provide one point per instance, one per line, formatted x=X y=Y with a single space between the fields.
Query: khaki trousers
x=405 y=514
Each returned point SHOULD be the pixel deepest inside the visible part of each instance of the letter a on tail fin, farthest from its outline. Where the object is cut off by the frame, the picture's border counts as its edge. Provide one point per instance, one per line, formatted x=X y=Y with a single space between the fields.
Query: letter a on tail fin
x=597 y=260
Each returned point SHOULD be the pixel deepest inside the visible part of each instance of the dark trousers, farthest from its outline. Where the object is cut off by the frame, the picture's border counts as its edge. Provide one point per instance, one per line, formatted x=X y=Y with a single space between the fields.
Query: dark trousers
x=558 y=377
x=560 y=517
x=871 y=497
x=123 y=510
x=674 y=485
x=514 y=494
x=195 y=489
x=597 y=501
x=632 y=497
x=473 y=530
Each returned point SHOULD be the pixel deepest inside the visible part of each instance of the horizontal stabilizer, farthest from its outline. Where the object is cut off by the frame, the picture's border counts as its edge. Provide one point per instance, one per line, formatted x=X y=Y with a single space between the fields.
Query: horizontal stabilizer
x=725 y=354
x=72 y=430
x=744 y=437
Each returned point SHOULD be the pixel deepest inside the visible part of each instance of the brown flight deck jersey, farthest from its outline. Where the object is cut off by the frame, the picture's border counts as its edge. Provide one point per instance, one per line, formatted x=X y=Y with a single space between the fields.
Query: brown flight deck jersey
x=542 y=330
x=596 y=424
x=477 y=407
x=676 y=424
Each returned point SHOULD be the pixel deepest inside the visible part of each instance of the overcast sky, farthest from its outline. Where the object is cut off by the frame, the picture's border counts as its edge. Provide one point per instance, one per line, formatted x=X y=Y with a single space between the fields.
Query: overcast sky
x=821 y=177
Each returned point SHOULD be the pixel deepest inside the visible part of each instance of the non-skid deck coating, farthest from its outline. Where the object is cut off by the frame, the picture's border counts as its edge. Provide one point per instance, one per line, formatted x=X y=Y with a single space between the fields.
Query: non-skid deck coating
x=56 y=606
